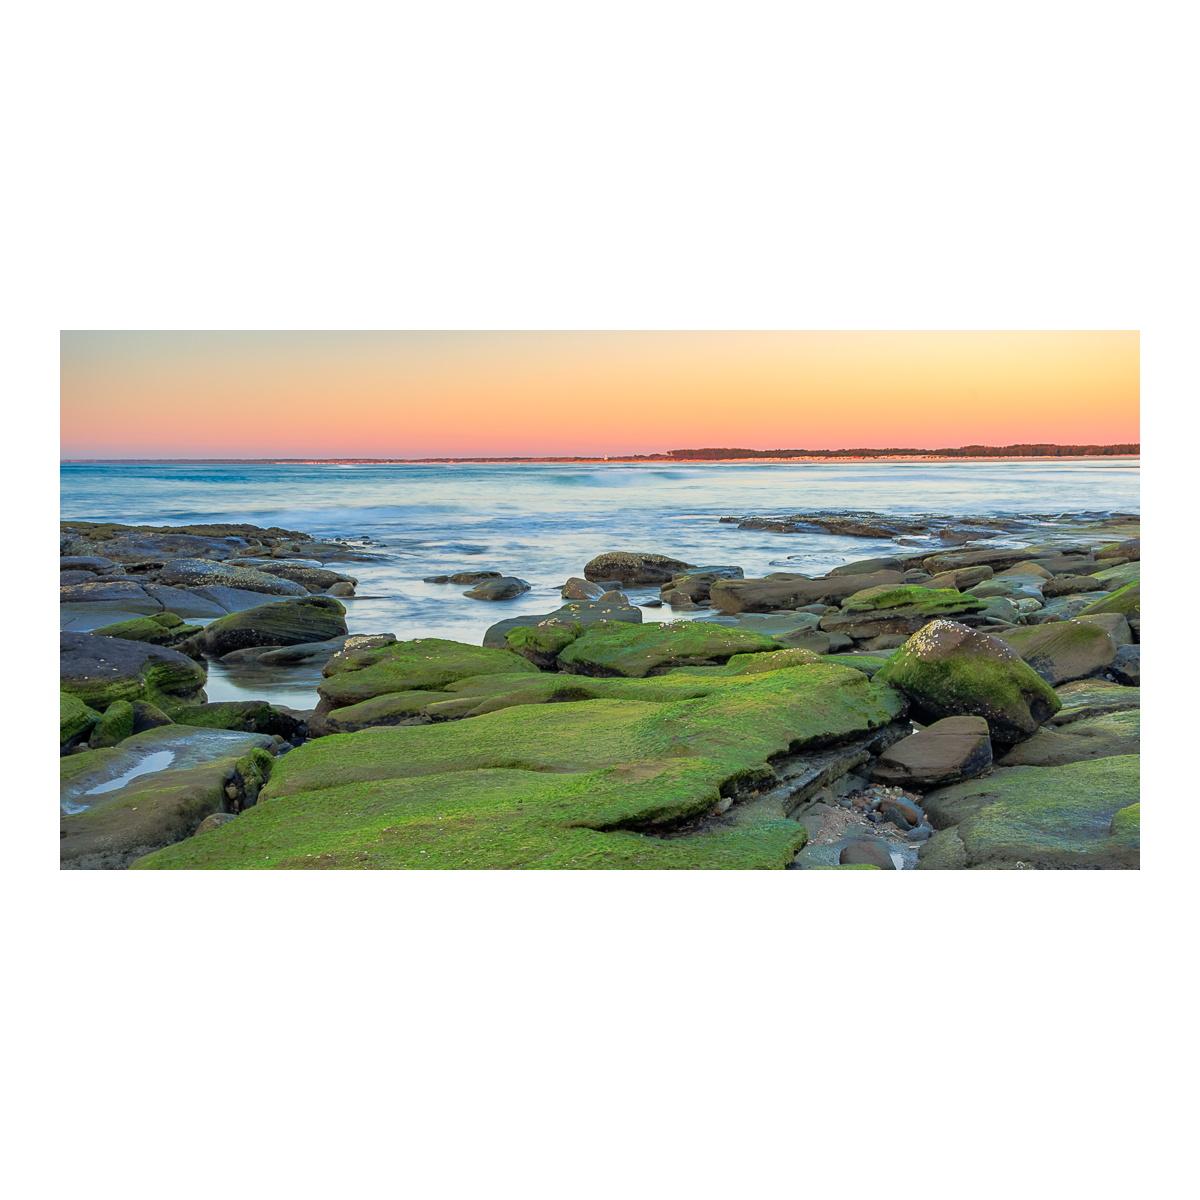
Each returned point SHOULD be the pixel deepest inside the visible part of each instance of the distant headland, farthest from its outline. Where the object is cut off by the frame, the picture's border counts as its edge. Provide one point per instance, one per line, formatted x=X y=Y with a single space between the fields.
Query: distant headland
x=705 y=454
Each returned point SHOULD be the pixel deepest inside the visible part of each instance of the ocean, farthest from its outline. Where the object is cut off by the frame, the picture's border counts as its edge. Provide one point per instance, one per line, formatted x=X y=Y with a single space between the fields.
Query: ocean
x=544 y=521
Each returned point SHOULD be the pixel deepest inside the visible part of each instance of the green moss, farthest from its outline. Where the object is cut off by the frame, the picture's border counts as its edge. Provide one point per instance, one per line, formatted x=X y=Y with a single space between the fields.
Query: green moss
x=114 y=726
x=243 y=716
x=1126 y=600
x=157 y=630
x=617 y=648
x=423 y=664
x=756 y=664
x=566 y=786
x=926 y=600
x=541 y=643
x=865 y=663
x=74 y=718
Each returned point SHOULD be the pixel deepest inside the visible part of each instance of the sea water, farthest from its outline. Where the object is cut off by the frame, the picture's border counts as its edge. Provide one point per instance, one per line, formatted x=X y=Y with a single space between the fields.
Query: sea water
x=543 y=521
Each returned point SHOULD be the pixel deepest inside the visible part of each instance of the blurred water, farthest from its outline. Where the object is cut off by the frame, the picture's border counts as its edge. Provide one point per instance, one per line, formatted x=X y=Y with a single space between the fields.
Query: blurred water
x=542 y=522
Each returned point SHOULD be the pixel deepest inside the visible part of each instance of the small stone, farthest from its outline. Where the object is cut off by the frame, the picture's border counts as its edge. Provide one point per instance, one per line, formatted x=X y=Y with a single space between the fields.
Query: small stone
x=868 y=851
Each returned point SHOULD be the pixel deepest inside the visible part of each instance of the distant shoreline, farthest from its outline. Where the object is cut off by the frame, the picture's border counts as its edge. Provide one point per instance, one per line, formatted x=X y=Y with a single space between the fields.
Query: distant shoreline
x=612 y=459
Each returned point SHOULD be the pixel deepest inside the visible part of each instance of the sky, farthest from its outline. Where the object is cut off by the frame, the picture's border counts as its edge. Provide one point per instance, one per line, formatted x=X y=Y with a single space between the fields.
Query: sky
x=300 y=394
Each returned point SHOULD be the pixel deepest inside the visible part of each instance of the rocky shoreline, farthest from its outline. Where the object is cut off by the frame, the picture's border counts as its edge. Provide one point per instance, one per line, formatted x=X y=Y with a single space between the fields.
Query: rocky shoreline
x=954 y=705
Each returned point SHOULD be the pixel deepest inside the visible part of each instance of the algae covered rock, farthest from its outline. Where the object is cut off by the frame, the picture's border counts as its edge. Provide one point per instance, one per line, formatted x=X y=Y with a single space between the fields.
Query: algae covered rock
x=284 y=623
x=541 y=643
x=241 y=716
x=948 y=670
x=582 y=612
x=75 y=720
x=606 y=784
x=1125 y=600
x=1103 y=736
x=1048 y=818
x=114 y=726
x=634 y=651
x=423 y=664
x=794 y=591
x=99 y=670
x=1063 y=651
x=1092 y=698
x=507 y=587
x=161 y=629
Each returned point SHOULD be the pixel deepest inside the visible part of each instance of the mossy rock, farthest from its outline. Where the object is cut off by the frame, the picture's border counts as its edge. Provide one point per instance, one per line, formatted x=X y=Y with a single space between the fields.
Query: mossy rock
x=934 y=602
x=242 y=716
x=1049 y=818
x=867 y=664
x=114 y=726
x=162 y=629
x=284 y=623
x=603 y=784
x=1105 y=736
x=75 y=719
x=541 y=643
x=948 y=670
x=1126 y=601
x=633 y=651
x=1118 y=577
x=1093 y=698
x=392 y=708
x=1064 y=650
x=99 y=670
x=419 y=665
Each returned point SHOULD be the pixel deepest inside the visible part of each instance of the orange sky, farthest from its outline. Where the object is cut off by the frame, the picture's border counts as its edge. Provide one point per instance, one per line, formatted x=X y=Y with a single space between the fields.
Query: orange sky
x=417 y=395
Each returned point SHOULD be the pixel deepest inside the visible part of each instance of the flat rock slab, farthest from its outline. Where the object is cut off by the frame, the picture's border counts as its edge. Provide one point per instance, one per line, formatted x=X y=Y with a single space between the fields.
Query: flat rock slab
x=634 y=651
x=99 y=670
x=794 y=591
x=601 y=785
x=1093 y=698
x=585 y=612
x=1047 y=818
x=167 y=747
x=1093 y=737
x=948 y=751
x=201 y=572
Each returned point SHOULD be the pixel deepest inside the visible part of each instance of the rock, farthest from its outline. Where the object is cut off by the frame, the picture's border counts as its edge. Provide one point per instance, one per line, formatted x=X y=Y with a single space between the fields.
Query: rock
x=340 y=589
x=998 y=560
x=1026 y=570
x=632 y=569
x=948 y=670
x=241 y=716
x=961 y=579
x=461 y=577
x=793 y=591
x=580 y=589
x=507 y=587
x=868 y=852
x=152 y=810
x=885 y=641
x=1092 y=698
x=214 y=821
x=203 y=602
x=1070 y=585
x=75 y=720
x=100 y=670
x=284 y=623
x=84 y=562
x=633 y=651
x=695 y=587
x=147 y=543
x=921 y=577
x=121 y=594
x=943 y=852
x=615 y=597
x=396 y=708
x=114 y=726
x=1063 y=651
x=1058 y=610
x=1126 y=666
x=312 y=578
x=868 y=566
x=1125 y=600
x=68 y=578
x=200 y=572
x=948 y=751
x=541 y=643
x=585 y=612
x=423 y=664
x=148 y=716
x=1117 y=577
x=891 y=812
x=161 y=629
x=1049 y=818
x=1094 y=737
x=1115 y=625
x=556 y=785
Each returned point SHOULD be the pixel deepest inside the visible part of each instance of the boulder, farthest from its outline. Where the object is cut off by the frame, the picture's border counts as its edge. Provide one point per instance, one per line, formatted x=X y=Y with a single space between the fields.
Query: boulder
x=200 y=572
x=75 y=720
x=998 y=560
x=634 y=651
x=203 y=602
x=1047 y=818
x=1064 y=650
x=507 y=587
x=580 y=589
x=148 y=716
x=241 y=716
x=69 y=578
x=214 y=821
x=793 y=591
x=284 y=623
x=1126 y=666
x=948 y=751
x=867 y=566
x=541 y=643
x=99 y=670
x=121 y=594
x=1125 y=600
x=961 y=579
x=1058 y=610
x=1114 y=624
x=1118 y=577
x=868 y=852
x=1094 y=737
x=1026 y=570
x=948 y=670
x=161 y=629
x=633 y=569
x=114 y=726
x=313 y=578
x=1070 y=585
x=84 y=562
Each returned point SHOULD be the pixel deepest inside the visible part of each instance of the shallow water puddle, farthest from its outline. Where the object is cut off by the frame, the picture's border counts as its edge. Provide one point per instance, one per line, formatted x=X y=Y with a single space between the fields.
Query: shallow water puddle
x=158 y=761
